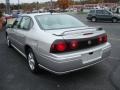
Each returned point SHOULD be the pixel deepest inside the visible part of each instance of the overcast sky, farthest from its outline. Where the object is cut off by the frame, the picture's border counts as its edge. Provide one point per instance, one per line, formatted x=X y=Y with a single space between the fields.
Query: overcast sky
x=24 y=1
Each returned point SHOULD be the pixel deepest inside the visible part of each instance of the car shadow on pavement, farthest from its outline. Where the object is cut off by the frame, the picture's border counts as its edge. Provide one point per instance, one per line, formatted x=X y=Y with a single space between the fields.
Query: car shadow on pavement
x=83 y=74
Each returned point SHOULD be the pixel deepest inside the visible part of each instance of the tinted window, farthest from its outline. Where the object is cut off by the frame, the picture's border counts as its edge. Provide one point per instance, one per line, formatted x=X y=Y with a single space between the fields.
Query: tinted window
x=59 y=21
x=99 y=11
x=25 y=23
x=17 y=22
x=106 y=12
x=92 y=12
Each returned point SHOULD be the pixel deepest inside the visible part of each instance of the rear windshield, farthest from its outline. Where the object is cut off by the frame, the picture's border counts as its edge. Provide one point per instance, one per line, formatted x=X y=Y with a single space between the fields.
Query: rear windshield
x=58 y=21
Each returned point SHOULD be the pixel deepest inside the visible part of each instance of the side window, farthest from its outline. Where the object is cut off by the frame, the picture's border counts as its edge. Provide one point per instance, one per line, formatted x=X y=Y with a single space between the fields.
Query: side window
x=92 y=12
x=106 y=12
x=25 y=23
x=99 y=12
x=16 y=22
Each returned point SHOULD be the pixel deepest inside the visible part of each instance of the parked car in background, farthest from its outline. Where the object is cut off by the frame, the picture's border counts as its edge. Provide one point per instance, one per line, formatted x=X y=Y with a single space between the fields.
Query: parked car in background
x=7 y=16
x=102 y=14
x=10 y=23
x=57 y=42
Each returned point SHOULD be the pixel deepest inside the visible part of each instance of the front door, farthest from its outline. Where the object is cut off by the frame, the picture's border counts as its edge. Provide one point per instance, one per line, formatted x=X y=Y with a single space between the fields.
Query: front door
x=13 y=33
x=22 y=31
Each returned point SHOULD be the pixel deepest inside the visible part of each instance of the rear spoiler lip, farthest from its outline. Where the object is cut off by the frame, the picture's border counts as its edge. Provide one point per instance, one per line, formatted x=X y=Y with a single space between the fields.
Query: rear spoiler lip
x=98 y=28
x=74 y=30
x=58 y=35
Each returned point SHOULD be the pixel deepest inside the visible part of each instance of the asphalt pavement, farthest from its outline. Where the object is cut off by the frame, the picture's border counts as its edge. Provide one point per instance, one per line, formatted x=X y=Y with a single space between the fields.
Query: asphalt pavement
x=15 y=75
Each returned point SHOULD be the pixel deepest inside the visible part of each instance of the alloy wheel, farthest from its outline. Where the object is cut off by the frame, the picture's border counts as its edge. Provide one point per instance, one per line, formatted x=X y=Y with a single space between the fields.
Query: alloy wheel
x=31 y=61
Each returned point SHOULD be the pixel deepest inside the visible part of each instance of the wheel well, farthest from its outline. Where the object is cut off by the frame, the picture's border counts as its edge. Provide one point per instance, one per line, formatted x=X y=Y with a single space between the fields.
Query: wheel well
x=93 y=17
x=27 y=47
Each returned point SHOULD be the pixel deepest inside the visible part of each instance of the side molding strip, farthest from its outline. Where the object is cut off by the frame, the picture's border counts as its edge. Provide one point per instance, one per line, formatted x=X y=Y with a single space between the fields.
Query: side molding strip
x=19 y=51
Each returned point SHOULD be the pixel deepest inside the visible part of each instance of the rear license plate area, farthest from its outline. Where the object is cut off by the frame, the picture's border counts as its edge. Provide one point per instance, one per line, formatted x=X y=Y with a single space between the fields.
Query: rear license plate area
x=91 y=56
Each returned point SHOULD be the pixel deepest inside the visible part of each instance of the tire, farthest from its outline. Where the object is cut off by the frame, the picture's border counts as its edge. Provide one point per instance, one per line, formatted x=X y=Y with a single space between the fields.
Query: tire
x=93 y=19
x=8 y=42
x=32 y=62
x=114 y=20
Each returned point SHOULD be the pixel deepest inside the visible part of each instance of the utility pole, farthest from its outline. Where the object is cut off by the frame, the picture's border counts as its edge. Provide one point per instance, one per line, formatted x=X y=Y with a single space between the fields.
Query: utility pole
x=18 y=5
x=37 y=6
x=51 y=4
x=7 y=6
x=73 y=4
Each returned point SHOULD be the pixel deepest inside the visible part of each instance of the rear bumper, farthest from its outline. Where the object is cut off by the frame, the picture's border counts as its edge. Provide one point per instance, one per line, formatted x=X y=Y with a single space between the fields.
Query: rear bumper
x=61 y=64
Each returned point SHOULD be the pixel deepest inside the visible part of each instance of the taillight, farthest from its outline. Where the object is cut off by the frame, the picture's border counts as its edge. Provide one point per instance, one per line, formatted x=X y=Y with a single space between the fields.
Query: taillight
x=74 y=44
x=105 y=38
x=102 y=39
x=59 y=46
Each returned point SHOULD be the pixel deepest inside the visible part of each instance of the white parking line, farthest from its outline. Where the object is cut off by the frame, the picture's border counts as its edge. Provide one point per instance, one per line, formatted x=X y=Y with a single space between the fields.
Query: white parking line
x=116 y=58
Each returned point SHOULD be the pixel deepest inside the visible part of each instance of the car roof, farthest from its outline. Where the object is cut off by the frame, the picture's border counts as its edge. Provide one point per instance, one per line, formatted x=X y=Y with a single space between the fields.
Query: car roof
x=99 y=9
x=35 y=14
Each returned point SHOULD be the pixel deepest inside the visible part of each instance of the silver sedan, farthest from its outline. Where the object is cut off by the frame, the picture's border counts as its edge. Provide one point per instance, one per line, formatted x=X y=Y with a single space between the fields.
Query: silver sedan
x=57 y=42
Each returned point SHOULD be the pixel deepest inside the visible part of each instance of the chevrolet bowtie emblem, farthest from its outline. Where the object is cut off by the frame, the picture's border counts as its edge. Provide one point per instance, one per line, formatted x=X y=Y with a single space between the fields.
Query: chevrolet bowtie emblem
x=89 y=42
